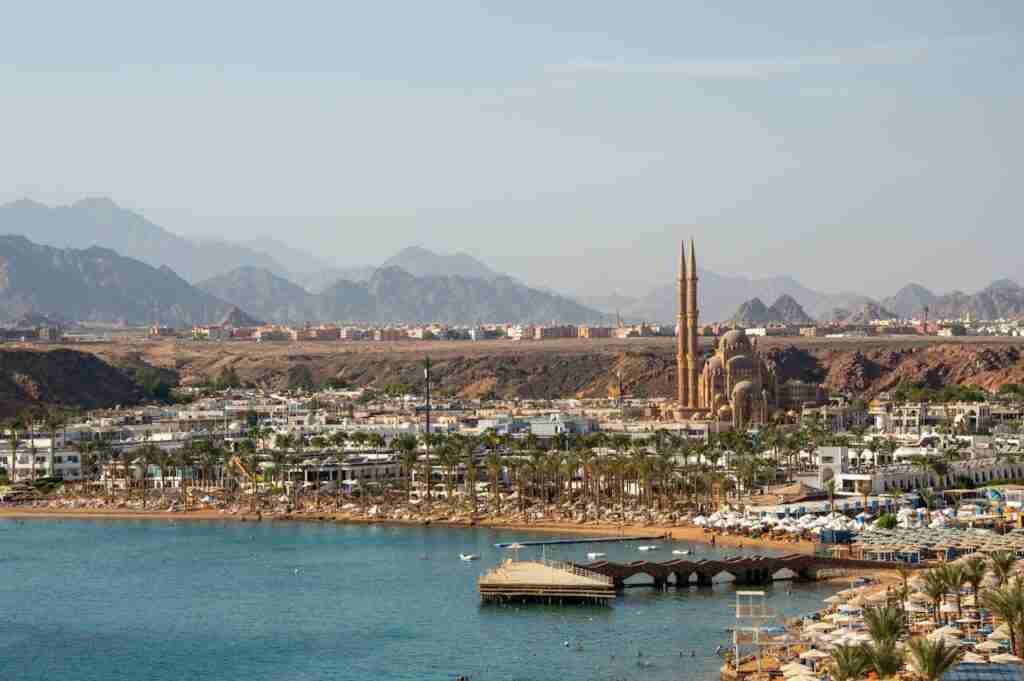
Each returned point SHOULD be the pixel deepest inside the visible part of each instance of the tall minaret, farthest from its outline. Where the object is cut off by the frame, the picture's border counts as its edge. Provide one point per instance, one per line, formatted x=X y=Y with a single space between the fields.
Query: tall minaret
x=692 y=356
x=682 y=365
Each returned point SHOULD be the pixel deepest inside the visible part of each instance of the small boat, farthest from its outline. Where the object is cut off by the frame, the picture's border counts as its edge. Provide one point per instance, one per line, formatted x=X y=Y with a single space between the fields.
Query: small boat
x=469 y=556
x=681 y=552
x=595 y=555
x=649 y=547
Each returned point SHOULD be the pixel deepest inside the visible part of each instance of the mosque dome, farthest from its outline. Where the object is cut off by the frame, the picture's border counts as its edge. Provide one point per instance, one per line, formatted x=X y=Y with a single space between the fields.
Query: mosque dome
x=734 y=342
x=742 y=389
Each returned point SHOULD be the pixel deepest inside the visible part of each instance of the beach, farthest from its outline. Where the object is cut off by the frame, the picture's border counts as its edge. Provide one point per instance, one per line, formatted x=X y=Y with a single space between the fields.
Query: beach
x=673 y=532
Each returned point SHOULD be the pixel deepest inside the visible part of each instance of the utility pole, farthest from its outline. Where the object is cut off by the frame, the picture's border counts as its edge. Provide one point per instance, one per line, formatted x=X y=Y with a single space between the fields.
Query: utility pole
x=426 y=379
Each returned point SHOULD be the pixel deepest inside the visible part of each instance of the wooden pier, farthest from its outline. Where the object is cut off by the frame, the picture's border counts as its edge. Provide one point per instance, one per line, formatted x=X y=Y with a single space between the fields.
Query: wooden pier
x=544 y=582
x=738 y=570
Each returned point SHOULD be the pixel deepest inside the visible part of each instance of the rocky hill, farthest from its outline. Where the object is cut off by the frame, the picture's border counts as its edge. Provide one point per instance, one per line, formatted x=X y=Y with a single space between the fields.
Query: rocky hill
x=785 y=310
x=96 y=285
x=31 y=379
x=1003 y=299
x=238 y=319
x=394 y=295
x=580 y=368
x=864 y=314
x=910 y=301
x=263 y=294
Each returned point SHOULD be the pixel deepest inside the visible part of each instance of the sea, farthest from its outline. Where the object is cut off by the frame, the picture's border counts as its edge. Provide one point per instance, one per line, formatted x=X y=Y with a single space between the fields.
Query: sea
x=181 y=600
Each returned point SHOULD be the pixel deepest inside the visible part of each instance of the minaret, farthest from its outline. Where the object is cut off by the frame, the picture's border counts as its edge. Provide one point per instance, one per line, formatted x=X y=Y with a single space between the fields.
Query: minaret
x=682 y=366
x=693 y=359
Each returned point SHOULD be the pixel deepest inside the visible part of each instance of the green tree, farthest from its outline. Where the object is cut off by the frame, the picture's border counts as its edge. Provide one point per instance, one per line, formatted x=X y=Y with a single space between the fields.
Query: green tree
x=1002 y=565
x=1007 y=603
x=929 y=660
x=848 y=663
x=408 y=456
x=885 y=658
x=885 y=623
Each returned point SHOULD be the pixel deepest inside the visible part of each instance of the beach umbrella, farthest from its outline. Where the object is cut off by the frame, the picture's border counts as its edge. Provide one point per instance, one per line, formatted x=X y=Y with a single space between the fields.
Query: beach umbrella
x=814 y=655
x=989 y=646
x=820 y=627
x=973 y=658
x=1005 y=659
x=1002 y=631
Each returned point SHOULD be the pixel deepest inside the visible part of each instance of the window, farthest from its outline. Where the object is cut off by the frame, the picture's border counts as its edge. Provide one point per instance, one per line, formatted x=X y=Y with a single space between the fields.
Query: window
x=72 y=459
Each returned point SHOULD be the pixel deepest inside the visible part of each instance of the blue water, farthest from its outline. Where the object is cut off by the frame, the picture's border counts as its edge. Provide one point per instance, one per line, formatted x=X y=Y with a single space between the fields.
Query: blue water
x=105 y=600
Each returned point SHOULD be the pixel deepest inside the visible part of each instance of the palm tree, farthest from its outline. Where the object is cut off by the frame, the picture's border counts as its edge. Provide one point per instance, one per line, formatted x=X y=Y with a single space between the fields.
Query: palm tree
x=1002 y=565
x=929 y=660
x=1007 y=602
x=830 y=489
x=935 y=587
x=408 y=456
x=449 y=457
x=954 y=577
x=848 y=663
x=885 y=658
x=494 y=465
x=974 y=570
x=148 y=454
x=468 y=447
x=884 y=623
x=14 y=440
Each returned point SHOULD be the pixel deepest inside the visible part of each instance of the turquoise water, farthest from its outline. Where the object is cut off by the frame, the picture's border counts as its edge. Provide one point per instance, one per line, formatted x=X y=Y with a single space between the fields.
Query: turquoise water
x=105 y=600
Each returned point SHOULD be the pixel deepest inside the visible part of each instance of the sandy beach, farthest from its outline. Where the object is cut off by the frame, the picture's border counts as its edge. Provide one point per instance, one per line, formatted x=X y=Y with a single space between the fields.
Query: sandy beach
x=677 y=533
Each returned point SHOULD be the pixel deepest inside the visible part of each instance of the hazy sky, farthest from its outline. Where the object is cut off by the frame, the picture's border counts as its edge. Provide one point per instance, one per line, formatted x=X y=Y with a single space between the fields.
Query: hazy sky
x=852 y=145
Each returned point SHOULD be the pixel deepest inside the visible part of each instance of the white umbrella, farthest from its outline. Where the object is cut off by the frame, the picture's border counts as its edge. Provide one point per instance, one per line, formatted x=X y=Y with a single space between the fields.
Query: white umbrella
x=814 y=655
x=973 y=658
x=989 y=646
x=1005 y=659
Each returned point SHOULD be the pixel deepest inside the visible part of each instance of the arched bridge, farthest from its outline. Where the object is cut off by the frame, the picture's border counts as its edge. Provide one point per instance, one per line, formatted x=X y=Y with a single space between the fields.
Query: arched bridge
x=739 y=569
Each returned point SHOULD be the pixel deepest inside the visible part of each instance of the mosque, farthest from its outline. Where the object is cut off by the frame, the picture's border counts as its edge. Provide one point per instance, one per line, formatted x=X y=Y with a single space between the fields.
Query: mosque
x=735 y=384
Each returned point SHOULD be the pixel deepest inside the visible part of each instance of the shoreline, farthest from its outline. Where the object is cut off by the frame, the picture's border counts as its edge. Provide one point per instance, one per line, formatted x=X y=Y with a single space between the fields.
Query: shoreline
x=670 y=532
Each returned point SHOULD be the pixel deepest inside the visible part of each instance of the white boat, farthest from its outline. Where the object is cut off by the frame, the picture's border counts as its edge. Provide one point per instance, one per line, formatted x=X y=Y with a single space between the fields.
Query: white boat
x=595 y=555
x=650 y=547
x=469 y=556
x=681 y=552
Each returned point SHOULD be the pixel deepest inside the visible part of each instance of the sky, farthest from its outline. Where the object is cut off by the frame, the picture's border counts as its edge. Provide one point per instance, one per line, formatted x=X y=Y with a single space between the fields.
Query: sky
x=853 y=146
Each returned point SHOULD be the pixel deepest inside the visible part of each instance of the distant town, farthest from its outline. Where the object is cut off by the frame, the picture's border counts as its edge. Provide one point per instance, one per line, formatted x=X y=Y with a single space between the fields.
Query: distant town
x=963 y=327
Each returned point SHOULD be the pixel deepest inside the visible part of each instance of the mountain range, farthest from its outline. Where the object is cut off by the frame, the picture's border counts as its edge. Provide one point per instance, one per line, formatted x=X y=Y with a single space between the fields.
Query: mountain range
x=393 y=294
x=101 y=222
x=1000 y=299
x=302 y=282
x=97 y=285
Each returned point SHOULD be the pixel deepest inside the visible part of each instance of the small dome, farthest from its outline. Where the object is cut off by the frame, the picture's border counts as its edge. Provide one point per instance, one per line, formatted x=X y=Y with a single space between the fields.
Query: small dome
x=734 y=341
x=716 y=364
x=742 y=389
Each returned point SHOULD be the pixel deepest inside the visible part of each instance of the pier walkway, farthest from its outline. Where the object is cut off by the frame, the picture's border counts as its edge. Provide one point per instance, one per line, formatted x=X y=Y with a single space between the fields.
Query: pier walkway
x=577 y=540
x=546 y=582
x=740 y=570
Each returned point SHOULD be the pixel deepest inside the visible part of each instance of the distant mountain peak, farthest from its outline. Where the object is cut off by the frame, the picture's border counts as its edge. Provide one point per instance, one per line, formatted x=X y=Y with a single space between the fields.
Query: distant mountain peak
x=785 y=310
x=421 y=262
x=788 y=311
